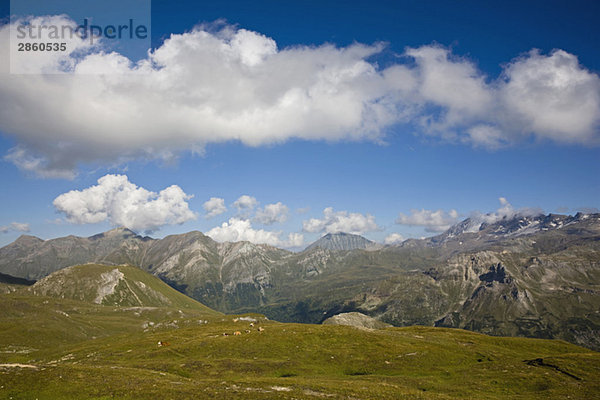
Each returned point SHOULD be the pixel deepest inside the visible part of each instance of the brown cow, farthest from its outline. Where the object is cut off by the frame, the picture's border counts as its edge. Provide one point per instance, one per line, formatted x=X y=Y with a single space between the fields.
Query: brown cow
x=237 y=333
x=163 y=343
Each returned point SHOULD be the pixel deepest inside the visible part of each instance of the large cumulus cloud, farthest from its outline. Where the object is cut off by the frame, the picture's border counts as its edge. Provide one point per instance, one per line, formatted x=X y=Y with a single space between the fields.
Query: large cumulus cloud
x=219 y=84
x=123 y=203
x=239 y=229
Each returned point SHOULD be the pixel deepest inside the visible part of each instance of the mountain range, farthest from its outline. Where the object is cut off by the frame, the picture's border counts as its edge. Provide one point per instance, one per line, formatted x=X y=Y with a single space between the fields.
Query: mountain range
x=524 y=275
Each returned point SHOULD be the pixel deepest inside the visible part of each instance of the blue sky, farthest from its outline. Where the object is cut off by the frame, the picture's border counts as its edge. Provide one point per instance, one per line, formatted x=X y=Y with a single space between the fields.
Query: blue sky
x=445 y=157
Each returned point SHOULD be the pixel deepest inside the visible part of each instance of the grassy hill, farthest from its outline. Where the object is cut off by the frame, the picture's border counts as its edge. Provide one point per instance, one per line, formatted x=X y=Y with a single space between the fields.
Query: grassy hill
x=75 y=348
x=64 y=308
x=122 y=285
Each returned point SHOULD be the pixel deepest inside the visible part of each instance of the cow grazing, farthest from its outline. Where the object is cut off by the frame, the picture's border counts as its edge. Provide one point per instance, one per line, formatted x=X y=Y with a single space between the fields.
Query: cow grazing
x=237 y=333
x=261 y=329
x=163 y=343
x=251 y=324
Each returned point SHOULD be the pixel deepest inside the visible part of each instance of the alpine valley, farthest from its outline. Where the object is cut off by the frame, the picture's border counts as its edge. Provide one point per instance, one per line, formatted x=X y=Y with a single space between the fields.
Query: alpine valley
x=527 y=276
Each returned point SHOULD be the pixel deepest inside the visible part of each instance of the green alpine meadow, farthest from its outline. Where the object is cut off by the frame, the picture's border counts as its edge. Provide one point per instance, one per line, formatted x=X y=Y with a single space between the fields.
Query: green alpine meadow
x=146 y=341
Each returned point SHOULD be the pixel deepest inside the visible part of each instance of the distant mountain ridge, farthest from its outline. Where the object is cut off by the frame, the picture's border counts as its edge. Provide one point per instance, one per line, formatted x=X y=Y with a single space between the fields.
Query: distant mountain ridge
x=533 y=276
x=32 y=258
x=518 y=224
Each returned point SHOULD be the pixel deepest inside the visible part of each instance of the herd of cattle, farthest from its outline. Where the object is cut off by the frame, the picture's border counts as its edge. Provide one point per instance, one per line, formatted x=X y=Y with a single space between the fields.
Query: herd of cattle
x=239 y=333
x=162 y=343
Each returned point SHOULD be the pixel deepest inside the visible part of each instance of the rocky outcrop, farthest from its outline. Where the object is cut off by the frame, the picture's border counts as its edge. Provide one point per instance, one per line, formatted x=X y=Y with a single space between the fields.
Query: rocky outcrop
x=356 y=320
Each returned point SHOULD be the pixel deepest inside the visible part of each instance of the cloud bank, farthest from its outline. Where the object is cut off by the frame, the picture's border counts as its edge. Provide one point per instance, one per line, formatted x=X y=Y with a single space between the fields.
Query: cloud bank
x=237 y=229
x=218 y=83
x=341 y=221
x=123 y=203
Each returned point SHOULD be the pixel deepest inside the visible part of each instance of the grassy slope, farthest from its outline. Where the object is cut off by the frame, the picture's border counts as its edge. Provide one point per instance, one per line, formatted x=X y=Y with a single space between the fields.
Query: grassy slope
x=137 y=288
x=284 y=361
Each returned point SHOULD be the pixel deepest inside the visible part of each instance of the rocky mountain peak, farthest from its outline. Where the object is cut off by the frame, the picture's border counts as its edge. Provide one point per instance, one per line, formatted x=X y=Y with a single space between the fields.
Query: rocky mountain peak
x=510 y=225
x=342 y=241
x=28 y=240
x=120 y=232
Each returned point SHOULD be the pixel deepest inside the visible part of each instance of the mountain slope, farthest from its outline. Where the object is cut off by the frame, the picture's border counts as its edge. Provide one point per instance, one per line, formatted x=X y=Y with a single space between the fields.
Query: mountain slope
x=121 y=286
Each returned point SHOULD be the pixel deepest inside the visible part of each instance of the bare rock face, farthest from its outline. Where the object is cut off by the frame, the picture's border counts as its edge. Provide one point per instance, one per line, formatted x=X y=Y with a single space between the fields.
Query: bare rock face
x=356 y=320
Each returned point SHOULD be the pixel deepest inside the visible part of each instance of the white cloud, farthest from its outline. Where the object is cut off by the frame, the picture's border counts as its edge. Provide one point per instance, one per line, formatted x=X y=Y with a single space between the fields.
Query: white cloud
x=214 y=206
x=15 y=227
x=433 y=221
x=245 y=203
x=217 y=84
x=124 y=204
x=272 y=213
x=341 y=221
x=393 y=238
x=208 y=85
x=451 y=83
x=26 y=161
x=553 y=96
x=486 y=136
x=238 y=229
x=294 y=240
x=251 y=47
